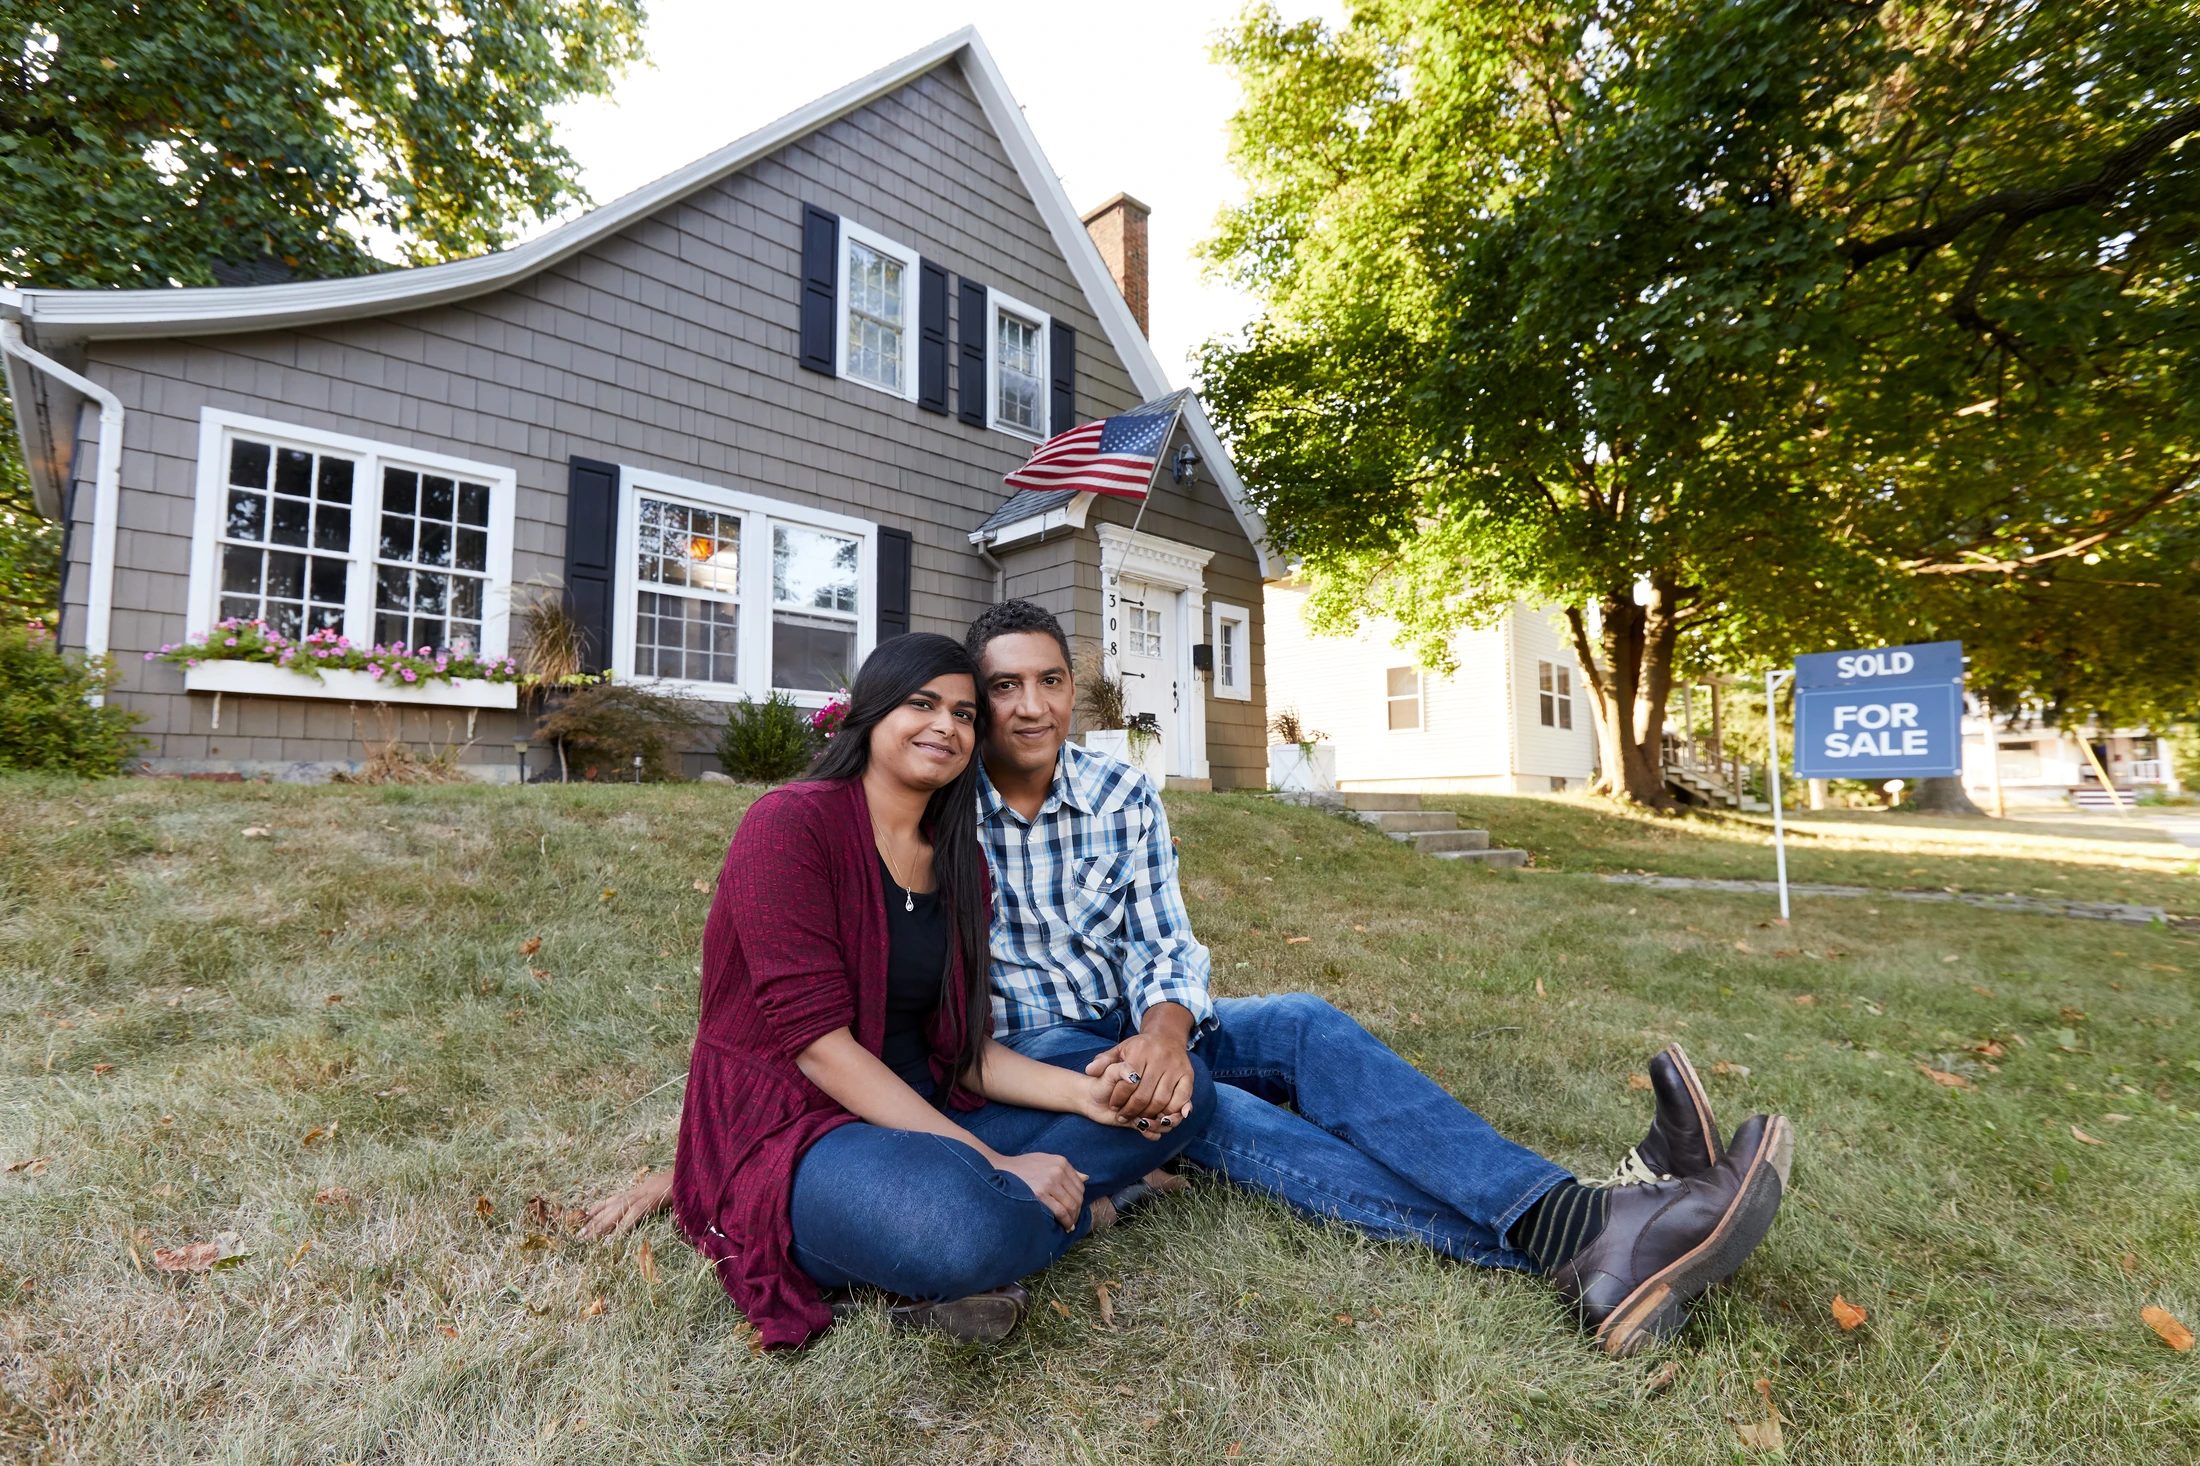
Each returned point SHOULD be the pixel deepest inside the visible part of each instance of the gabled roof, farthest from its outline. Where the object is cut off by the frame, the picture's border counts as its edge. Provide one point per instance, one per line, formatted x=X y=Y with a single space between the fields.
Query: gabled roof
x=58 y=317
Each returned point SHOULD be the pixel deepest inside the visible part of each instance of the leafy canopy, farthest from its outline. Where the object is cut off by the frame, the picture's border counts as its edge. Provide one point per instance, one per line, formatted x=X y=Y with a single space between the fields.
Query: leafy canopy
x=142 y=143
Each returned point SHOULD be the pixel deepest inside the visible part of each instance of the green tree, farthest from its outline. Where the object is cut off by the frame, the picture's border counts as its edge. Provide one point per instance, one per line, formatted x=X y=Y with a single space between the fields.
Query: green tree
x=148 y=144
x=1733 y=328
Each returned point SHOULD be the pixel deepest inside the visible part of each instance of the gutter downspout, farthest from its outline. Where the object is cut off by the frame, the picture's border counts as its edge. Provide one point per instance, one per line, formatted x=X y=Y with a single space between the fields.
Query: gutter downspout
x=1000 y=571
x=106 y=486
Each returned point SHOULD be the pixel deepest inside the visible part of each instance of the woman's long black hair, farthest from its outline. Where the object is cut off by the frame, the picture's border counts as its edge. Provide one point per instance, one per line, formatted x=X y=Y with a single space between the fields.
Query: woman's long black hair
x=894 y=673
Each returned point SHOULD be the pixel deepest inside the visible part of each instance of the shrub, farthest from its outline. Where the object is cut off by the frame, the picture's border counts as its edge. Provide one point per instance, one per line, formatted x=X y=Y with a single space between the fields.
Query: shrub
x=45 y=722
x=601 y=728
x=765 y=742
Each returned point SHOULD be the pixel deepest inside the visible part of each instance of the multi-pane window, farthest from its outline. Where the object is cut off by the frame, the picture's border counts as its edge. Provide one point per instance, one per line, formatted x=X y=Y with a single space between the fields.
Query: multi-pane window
x=1141 y=631
x=1555 y=689
x=877 y=317
x=687 y=622
x=814 y=577
x=1402 y=690
x=1233 y=652
x=1228 y=653
x=285 y=555
x=432 y=561
x=1018 y=372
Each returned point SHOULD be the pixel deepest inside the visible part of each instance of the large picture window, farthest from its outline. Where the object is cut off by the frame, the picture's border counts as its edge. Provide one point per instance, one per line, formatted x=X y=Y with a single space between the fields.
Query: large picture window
x=878 y=309
x=734 y=595
x=312 y=531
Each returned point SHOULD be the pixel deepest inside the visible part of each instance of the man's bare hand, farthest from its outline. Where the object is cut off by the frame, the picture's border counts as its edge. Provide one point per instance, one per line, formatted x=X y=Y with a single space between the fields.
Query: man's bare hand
x=1163 y=1087
x=1099 y=1104
x=616 y=1215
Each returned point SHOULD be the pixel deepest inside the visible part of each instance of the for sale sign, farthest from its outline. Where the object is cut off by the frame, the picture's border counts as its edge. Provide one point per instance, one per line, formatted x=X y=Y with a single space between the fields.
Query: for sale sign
x=1891 y=713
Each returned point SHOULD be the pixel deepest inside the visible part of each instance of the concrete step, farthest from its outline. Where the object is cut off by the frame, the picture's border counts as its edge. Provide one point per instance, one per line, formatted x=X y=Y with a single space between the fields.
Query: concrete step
x=1371 y=799
x=1440 y=842
x=1501 y=858
x=1405 y=821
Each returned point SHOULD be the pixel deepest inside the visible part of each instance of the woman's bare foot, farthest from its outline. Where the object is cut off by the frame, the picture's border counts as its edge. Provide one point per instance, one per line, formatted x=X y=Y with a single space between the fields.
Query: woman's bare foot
x=615 y=1215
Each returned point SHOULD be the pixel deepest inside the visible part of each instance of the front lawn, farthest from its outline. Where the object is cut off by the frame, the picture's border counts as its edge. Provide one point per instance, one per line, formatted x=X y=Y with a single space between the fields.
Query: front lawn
x=333 y=1042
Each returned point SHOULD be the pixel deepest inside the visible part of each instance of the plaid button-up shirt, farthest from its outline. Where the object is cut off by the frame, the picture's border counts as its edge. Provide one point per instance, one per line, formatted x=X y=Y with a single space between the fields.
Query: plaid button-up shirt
x=1086 y=911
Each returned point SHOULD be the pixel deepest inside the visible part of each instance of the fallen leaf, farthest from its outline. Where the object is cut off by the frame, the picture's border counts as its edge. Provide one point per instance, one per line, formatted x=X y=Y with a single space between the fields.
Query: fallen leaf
x=318 y=1132
x=199 y=1257
x=1061 y=1308
x=257 y=832
x=1944 y=1079
x=1742 y=947
x=446 y=1331
x=1847 y=1314
x=534 y=1242
x=530 y=947
x=1982 y=992
x=1951 y=957
x=1805 y=1000
x=2129 y=1262
x=595 y=1309
x=1358 y=928
x=608 y=893
x=540 y=1210
x=1294 y=941
x=63 y=1023
x=1988 y=1047
x=539 y=974
x=1763 y=1435
x=1237 y=1448
x=645 y=1261
x=1107 y=1305
x=164 y=1189
x=2115 y=1119
x=639 y=1173
x=2084 y=1138
x=2164 y=967
x=1740 y=1071
x=1638 y=1081
x=103 y=1068
x=303 y=1248
x=1539 y=986
x=484 y=1207
x=702 y=885
x=1346 y=1320
x=334 y=1196
x=2073 y=1015
x=1663 y=1376
x=35 y=1166
x=2163 y=1322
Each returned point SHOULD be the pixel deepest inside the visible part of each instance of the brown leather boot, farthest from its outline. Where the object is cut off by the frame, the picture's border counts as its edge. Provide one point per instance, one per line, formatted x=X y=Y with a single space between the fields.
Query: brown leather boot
x=1683 y=1138
x=980 y=1318
x=1667 y=1242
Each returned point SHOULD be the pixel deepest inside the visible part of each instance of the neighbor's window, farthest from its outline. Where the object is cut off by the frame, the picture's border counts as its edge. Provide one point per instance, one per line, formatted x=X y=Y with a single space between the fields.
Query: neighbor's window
x=431 y=560
x=687 y=611
x=814 y=578
x=1403 y=689
x=286 y=537
x=321 y=532
x=1555 y=689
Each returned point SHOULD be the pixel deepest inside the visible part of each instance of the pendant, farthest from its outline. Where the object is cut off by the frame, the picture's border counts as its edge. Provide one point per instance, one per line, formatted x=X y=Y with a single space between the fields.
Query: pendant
x=908 y=899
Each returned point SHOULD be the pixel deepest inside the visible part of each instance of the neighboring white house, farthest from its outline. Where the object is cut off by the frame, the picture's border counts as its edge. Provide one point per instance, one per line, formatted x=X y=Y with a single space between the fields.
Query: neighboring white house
x=2042 y=765
x=1513 y=717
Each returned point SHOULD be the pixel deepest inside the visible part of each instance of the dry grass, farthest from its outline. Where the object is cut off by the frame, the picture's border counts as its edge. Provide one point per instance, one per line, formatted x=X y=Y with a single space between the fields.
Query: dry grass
x=360 y=972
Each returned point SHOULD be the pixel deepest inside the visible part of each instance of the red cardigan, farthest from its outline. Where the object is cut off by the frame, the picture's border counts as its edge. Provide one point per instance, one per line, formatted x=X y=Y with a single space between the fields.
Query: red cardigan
x=795 y=947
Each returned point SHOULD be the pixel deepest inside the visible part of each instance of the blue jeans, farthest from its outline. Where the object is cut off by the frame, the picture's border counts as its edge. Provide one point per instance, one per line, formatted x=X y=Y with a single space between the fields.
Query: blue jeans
x=1368 y=1139
x=926 y=1217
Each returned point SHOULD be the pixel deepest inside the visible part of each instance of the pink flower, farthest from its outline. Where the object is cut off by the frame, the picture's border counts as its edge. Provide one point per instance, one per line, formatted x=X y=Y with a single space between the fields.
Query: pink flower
x=191 y=661
x=409 y=675
x=150 y=655
x=232 y=641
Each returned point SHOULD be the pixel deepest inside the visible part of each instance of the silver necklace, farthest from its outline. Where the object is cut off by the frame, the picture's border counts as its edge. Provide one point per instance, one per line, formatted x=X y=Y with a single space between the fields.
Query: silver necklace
x=908 y=897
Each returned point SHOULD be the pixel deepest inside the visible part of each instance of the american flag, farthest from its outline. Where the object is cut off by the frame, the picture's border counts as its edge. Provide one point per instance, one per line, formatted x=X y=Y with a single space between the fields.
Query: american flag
x=1115 y=455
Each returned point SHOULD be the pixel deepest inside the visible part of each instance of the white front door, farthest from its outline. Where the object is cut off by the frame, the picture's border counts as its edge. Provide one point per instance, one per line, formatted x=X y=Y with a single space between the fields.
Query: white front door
x=1146 y=634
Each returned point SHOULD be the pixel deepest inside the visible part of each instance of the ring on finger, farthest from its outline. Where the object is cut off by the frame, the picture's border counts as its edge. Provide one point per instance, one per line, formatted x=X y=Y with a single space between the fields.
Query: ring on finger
x=1131 y=1076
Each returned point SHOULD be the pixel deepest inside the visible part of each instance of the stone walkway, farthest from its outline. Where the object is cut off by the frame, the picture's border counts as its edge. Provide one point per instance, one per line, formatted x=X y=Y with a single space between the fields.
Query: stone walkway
x=2040 y=906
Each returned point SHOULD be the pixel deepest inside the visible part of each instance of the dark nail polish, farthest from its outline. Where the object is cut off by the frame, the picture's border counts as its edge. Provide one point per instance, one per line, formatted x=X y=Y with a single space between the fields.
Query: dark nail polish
x=1143 y=1125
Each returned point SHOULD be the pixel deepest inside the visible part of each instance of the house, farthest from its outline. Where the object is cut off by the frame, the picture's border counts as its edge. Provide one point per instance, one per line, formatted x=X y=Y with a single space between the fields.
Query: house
x=1512 y=717
x=752 y=419
x=2041 y=765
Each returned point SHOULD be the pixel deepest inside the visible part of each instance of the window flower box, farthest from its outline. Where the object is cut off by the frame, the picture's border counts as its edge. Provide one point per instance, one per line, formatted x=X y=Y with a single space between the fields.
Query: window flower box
x=246 y=657
x=259 y=679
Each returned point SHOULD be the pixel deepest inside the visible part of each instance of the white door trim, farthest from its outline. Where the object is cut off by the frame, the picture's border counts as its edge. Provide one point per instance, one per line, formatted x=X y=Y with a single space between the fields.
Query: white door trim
x=1171 y=565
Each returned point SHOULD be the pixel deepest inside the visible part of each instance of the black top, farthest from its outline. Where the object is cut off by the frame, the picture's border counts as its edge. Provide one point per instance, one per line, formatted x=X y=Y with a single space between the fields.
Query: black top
x=916 y=958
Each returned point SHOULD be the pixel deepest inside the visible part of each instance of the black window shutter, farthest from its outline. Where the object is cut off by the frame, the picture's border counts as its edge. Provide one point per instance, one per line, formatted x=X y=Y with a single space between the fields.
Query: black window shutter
x=1062 y=366
x=893 y=583
x=820 y=287
x=970 y=389
x=592 y=555
x=931 y=337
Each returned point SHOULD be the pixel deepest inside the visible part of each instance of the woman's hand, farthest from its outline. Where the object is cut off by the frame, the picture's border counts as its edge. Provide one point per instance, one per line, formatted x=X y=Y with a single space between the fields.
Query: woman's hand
x=615 y=1214
x=1059 y=1186
x=1096 y=1103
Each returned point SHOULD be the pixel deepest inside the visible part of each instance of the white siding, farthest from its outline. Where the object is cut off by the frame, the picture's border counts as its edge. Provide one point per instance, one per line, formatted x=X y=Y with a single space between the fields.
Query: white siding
x=1547 y=753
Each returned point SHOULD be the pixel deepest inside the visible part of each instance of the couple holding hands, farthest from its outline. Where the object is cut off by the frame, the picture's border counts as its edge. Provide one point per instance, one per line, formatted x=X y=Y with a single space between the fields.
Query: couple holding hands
x=954 y=1018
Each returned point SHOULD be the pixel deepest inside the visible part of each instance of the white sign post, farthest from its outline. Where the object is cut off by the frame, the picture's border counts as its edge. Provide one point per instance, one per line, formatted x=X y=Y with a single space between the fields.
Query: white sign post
x=1774 y=679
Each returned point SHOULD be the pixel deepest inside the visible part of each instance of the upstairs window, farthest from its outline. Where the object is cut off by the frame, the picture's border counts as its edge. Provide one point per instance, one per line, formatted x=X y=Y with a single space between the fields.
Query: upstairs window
x=878 y=307
x=1402 y=691
x=1555 y=693
x=1017 y=367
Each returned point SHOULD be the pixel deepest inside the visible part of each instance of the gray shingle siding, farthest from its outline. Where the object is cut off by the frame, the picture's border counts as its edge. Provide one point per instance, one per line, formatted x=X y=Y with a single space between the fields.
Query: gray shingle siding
x=669 y=346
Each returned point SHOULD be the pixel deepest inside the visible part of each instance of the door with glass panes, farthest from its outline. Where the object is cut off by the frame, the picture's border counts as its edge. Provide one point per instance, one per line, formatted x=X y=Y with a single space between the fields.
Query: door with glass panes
x=1146 y=655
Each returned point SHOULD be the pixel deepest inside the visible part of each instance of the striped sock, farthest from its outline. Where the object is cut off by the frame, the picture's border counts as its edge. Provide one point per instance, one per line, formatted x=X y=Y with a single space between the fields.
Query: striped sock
x=1563 y=1220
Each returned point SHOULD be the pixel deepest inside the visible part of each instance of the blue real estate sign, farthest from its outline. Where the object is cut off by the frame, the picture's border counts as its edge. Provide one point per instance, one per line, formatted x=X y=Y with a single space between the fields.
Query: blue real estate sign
x=1892 y=713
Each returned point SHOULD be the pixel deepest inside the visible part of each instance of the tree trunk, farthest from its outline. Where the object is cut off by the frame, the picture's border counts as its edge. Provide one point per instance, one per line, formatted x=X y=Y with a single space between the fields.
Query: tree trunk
x=1629 y=674
x=1944 y=796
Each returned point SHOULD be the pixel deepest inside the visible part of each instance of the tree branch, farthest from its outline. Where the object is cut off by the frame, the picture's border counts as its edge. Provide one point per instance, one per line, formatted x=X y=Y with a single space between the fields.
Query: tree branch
x=2105 y=528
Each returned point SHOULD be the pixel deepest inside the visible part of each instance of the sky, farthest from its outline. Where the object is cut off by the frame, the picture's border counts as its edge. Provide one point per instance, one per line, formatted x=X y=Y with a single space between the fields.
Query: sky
x=1124 y=99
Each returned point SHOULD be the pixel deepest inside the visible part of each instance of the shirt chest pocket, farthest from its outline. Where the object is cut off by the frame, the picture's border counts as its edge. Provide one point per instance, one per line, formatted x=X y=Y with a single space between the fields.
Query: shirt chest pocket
x=1097 y=890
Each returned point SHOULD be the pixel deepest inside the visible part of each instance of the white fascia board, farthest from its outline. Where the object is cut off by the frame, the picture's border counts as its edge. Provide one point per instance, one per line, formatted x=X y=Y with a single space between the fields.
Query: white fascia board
x=1071 y=514
x=1099 y=286
x=88 y=314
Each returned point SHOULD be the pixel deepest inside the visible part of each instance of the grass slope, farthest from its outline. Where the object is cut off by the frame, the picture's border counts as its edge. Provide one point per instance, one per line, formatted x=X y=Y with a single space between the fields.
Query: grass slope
x=358 y=971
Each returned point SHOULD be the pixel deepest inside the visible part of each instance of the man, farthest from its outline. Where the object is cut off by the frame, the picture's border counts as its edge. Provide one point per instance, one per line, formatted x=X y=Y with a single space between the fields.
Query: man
x=1091 y=940
x=1092 y=946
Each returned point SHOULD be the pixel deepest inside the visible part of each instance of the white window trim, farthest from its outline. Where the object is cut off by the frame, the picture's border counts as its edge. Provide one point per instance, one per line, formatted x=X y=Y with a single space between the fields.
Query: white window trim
x=1558 y=669
x=997 y=305
x=1240 y=688
x=1419 y=700
x=758 y=514
x=912 y=305
x=210 y=506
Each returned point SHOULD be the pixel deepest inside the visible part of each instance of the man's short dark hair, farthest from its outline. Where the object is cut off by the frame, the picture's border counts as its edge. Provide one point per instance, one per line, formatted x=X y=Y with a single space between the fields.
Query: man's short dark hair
x=1007 y=619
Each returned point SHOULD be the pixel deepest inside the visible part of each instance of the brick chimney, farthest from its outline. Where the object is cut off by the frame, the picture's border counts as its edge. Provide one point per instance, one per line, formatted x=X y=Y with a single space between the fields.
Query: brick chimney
x=1119 y=228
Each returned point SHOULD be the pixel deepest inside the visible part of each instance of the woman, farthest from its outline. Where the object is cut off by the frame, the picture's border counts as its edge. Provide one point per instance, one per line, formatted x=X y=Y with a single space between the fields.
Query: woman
x=849 y=1120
